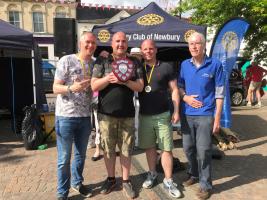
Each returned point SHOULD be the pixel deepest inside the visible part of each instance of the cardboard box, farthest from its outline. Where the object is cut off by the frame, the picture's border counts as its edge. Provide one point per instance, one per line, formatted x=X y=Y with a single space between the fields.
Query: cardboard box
x=51 y=101
x=48 y=119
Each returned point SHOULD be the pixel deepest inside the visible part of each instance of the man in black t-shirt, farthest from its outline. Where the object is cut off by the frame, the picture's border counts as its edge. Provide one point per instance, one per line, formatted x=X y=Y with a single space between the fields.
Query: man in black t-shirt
x=116 y=109
x=155 y=118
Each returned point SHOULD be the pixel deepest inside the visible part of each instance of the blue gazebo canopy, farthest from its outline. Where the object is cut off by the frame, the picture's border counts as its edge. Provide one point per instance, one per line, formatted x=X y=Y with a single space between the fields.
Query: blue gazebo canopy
x=150 y=23
x=12 y=37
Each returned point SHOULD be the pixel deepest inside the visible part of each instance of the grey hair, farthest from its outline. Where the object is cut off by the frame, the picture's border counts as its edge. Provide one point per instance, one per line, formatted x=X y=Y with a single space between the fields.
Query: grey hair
x=85 y=33
x=202 y=37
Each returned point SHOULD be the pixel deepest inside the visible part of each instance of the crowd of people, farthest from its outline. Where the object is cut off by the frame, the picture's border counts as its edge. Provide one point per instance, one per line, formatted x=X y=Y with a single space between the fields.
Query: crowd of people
x=114 y=79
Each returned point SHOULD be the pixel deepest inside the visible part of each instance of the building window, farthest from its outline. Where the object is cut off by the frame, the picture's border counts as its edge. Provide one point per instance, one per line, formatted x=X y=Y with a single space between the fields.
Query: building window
x=44 y=52
x=14 y=18
x=60 y=12
x=38 y=22
x=61 y=15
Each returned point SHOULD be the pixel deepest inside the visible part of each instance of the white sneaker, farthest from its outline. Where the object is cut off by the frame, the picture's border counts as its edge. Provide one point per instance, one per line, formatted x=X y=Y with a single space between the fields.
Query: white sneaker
x=258 y=105
x=150 y=180
x=249 y=104
x=172 y=188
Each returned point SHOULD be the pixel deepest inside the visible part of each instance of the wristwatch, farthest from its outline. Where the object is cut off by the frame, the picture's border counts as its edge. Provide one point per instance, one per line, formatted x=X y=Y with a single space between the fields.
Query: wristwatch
x=69 y=90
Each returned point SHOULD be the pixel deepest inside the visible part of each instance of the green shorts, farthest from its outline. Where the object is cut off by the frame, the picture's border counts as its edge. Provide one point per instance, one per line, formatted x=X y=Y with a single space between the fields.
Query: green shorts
x=155 y=129
x=116 y=131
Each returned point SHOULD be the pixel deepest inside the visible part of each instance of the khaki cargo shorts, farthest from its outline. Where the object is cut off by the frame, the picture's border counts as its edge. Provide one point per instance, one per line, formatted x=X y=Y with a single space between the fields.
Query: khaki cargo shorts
x=254 y=85
x=116 y=132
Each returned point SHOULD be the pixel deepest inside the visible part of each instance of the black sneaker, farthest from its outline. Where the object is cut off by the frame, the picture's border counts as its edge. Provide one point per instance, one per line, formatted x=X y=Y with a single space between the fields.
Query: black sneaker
x=128 y=189
x=84 y=191
x=150 y=181
x=108 y=186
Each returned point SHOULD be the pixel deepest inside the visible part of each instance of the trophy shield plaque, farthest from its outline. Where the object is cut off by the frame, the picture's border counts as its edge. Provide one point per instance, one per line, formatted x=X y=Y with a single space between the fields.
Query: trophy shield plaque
x=123 y=69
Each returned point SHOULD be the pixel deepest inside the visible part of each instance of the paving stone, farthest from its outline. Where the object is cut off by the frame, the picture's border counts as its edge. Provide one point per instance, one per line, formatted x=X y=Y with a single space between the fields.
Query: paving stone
x=240 y=175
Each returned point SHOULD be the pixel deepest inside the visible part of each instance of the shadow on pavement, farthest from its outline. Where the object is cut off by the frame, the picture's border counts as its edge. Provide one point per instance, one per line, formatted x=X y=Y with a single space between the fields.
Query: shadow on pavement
x=248 y=163
x=135 y=179
x=241 y=170
x=249 y=126
x=12 y=159
x=248 y=146
x=6 y=133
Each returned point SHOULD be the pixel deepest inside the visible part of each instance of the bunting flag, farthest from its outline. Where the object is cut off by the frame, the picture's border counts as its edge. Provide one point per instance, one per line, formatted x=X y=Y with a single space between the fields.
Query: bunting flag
x=166 y=5
x=225 y=47
x=131 y=4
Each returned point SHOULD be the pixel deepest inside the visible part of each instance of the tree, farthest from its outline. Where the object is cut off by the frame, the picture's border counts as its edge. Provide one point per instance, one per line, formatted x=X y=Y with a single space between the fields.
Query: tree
x=216 y=12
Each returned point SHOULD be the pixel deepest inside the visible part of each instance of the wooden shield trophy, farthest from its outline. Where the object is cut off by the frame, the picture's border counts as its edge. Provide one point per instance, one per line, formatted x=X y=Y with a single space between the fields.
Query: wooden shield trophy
x=123 y=69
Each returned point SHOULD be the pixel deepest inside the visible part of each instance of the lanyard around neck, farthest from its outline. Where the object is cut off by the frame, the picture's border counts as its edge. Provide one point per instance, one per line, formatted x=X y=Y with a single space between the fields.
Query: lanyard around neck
x=150 y=75
x=83 y=66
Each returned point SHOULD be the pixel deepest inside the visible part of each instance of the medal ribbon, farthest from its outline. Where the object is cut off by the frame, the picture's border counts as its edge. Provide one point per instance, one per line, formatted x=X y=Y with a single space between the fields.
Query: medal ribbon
x=150 y=75
x=83 y=66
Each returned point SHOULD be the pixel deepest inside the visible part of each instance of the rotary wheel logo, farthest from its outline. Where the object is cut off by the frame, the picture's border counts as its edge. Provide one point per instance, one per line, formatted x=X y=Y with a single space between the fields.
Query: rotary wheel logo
x=188 y=34
x=103 y=36
x=150 y=20
x=230 y=41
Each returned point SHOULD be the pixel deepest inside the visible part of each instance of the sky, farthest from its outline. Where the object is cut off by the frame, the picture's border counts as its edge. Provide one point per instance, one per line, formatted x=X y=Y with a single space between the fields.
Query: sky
x=165 y=4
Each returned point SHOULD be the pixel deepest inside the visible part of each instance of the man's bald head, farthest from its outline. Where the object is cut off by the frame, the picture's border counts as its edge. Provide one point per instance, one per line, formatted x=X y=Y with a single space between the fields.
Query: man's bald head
x=119 y=44
x=149 y=51
x=148 y=41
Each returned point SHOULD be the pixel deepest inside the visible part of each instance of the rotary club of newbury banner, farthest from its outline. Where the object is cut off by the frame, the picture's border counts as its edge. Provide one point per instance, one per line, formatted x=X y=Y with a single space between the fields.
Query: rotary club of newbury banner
x=225 y=47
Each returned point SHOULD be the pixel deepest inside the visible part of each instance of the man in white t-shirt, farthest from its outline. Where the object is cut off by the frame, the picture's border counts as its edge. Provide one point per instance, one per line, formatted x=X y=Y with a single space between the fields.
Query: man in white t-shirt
x=72 y=86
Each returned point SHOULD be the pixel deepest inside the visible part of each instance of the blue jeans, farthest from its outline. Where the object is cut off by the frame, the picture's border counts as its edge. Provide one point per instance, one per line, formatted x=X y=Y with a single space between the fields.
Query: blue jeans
x=71 y=130
x=197 y=144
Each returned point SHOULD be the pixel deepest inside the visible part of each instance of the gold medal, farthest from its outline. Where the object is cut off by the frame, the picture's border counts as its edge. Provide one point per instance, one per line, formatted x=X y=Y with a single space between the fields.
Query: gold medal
x=148 y=88
x=148 y=78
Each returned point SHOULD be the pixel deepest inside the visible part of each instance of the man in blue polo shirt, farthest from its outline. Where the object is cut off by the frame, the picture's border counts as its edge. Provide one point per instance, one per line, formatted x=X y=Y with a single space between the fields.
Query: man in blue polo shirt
x=201 y=86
